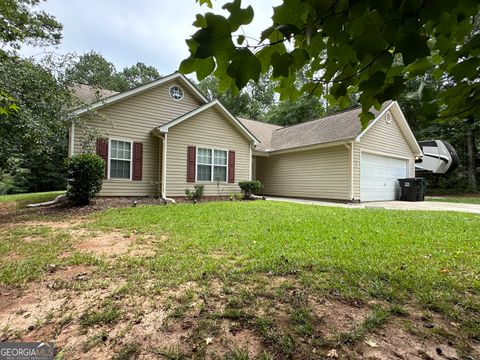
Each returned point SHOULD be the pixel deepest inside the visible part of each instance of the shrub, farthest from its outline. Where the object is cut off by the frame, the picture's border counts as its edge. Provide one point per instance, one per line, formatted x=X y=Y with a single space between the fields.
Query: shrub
x=84 y=177
x=196 y=194
x=250 y=188
x=236 y=196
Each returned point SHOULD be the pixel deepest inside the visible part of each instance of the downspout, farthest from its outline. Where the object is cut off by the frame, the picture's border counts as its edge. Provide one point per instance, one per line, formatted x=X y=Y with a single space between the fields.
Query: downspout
x=163 y=189
x=251 y=164
x=351 y=171
x=71 y=140
x=349 y=146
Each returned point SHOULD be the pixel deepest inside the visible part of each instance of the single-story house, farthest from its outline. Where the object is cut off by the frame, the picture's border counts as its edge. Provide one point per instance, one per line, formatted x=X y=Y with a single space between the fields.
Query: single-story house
x=165 y=136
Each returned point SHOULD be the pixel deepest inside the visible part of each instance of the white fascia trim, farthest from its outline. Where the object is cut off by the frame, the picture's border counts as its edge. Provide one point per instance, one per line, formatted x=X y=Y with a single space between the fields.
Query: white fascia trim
x=164 y=128
x=410 y=137
x=117 y=97
x=311 y=147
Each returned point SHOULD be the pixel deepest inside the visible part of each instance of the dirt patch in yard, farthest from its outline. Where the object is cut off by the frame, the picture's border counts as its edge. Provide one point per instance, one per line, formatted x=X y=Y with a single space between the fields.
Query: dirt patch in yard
x=115 y=243
x=336 y=316
x=89 y=316
x=104 y=243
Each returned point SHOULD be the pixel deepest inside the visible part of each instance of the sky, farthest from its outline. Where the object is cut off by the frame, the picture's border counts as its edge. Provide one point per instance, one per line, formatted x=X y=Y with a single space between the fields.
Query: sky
x=126 y=32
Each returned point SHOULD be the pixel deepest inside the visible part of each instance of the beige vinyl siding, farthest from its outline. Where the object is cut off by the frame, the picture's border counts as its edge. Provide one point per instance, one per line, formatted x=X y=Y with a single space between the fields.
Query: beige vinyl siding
x=321 y=173
x=133 y=119
x=382 y=138
x=208 y=129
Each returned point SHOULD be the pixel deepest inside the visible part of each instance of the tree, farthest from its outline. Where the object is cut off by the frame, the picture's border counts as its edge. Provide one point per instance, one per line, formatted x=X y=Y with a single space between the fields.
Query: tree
x=20 y=24
x=462 y=133
x=288 y=112
x=92 y=69
x=135 y=75
x=252 y=102
x=38 y=130
x=367 y=47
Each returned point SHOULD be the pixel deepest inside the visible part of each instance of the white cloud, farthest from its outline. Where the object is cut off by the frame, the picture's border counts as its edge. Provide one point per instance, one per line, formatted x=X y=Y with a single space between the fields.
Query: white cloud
x=125 y=32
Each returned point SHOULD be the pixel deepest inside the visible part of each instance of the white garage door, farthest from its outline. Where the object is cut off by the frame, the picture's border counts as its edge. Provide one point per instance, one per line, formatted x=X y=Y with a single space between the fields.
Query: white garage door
x=378 y=177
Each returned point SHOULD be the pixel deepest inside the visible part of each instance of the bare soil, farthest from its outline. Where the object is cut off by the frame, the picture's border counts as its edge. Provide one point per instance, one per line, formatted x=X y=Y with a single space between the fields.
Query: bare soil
x=52 y=310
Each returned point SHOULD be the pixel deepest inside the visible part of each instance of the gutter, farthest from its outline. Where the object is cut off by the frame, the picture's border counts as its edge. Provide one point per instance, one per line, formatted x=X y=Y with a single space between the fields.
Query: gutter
x=306 y=147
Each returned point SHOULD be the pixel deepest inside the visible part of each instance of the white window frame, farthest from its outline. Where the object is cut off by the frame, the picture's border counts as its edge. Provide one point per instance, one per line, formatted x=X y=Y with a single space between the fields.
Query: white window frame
x=110 y=158
x=170 y=92
x=212 y=165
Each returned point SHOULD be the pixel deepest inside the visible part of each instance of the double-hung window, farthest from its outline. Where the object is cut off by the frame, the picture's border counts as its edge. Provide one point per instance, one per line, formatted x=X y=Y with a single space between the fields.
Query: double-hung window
x=211 y=165
x=120 y=159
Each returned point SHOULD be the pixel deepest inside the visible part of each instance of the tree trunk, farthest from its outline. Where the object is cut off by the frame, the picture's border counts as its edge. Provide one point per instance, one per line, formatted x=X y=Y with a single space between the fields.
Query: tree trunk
x=471 y=152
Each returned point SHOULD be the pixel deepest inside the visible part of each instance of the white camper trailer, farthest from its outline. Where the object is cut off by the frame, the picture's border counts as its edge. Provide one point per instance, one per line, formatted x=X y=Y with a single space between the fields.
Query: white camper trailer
x=439 y=157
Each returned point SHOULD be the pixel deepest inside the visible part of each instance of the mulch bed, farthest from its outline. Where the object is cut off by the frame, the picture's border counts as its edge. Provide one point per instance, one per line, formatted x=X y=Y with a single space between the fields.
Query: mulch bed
x=9 y=213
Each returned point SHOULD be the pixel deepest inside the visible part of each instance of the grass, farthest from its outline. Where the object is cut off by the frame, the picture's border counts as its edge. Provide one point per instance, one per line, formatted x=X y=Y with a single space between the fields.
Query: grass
x=109 y=315
x=378 y=317
x=433 y=258
x=265 y=267
x=27 y=252
x=475 y=199
x=30 y=198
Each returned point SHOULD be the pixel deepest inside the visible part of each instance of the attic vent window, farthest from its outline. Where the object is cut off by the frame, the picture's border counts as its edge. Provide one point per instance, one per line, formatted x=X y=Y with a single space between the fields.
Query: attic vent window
x=176 y=92
x=388 y=117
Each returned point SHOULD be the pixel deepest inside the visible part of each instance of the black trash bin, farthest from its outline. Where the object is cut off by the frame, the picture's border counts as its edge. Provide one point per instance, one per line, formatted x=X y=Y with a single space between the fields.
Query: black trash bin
x=422 y=187
x=408 y=189
x=412 y=189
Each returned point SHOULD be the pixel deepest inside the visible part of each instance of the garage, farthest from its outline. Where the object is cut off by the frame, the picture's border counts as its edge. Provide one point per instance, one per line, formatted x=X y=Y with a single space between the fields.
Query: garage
x=378 y=177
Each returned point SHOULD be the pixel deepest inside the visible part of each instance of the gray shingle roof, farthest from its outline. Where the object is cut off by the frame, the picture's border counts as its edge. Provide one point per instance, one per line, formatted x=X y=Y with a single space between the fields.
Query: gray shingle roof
x=90 y=94
x=262 y=131
x=340 y=126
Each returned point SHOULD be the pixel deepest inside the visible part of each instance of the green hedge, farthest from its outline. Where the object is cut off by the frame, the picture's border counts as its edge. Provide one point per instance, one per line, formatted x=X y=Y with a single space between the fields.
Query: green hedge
x=84 y=177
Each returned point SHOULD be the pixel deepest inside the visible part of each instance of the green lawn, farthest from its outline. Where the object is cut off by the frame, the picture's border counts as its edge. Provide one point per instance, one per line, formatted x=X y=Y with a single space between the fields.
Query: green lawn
x=456 y=199
x=30 y=198
x=261 y=267
x=429 y=258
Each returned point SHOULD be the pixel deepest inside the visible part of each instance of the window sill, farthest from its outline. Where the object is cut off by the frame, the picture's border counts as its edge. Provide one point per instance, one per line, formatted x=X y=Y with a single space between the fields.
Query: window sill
x=212 y=182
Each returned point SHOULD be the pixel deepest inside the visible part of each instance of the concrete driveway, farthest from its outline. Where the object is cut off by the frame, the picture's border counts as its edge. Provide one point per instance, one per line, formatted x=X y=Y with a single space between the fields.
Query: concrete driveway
x=390 y=205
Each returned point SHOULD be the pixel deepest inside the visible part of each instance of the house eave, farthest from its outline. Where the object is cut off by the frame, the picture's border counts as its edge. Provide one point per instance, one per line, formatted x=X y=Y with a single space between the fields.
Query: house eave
x=138 y=90
x=267 y=152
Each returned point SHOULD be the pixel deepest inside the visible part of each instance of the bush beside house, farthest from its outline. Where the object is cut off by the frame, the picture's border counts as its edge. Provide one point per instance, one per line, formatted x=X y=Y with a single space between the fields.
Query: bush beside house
x=85 y=173
x=250 y=188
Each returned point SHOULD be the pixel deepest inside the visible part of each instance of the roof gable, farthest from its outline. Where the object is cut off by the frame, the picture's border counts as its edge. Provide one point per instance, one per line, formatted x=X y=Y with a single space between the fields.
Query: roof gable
x=402 y=124
x=213 y=104
x=138 y=90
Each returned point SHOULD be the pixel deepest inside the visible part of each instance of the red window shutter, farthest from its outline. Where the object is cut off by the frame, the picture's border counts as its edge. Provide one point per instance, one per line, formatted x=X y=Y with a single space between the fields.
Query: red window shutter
x=231 y=166
x=191 y=163
x=137 y=161
x=102 y=151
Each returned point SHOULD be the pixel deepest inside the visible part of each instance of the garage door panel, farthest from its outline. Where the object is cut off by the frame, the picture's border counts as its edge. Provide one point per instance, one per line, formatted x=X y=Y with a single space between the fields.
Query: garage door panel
x=379 y=174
